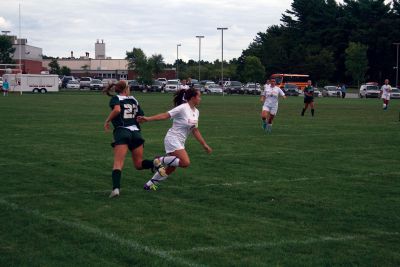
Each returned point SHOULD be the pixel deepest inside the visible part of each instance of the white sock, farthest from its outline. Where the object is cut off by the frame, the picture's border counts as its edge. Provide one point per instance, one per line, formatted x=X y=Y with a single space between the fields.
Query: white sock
x=156 y=179
x=169 y=161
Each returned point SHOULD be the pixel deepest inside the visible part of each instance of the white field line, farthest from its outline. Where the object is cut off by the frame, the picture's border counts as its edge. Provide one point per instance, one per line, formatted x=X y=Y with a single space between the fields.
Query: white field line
x=320 y=239
x=238 y=183
x=102 y=234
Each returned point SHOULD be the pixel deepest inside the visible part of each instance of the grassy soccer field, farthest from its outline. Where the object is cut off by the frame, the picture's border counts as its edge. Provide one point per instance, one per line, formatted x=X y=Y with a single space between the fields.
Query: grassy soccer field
x=322 y=191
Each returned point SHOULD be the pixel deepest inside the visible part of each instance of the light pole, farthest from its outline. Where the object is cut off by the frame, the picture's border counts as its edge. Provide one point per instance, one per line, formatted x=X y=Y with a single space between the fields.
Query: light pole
x=177 y=58
x=397 y=64
x=200 y=37
x=222 y=55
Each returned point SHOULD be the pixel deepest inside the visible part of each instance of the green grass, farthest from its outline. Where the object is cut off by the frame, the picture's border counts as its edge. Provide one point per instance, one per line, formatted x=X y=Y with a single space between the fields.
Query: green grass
x=320 y=191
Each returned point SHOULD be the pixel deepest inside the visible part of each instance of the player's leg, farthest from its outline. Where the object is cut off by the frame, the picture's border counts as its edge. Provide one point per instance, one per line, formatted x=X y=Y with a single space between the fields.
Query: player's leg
x=177 y=158
x=119 y=157
x=264 y=116
x=305 y=107
x=312 y=108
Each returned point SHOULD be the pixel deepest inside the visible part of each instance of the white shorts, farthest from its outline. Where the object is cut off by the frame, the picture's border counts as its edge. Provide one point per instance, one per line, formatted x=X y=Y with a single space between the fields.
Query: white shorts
x=172 y=144
x=385 y=96
x=271 y=109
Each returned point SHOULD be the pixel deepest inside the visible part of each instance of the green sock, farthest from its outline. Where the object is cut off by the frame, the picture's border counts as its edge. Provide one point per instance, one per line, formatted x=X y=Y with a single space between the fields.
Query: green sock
x=116 y=179
x=147 y=164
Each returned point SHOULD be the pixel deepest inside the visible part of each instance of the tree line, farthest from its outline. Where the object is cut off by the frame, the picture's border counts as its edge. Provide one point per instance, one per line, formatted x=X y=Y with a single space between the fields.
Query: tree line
x=351 y=42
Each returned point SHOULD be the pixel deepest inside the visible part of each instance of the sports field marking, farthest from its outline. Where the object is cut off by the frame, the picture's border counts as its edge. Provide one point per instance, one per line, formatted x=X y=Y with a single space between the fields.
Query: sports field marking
x=100 y=233
x=238 y=183
x=320 y=239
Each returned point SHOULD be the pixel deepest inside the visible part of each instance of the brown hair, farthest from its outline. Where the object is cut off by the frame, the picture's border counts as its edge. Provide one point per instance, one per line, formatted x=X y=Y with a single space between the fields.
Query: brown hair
x=118 y=88
x=183 y=96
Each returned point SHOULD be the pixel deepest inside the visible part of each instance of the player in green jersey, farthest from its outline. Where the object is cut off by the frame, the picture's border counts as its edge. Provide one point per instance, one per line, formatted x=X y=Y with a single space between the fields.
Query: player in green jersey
x=308 y=98
x=127 y=135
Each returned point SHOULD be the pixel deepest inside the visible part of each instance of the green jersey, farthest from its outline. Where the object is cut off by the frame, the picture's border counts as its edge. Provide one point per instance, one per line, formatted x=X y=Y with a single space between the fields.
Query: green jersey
x=308 y=92
x=130 y=109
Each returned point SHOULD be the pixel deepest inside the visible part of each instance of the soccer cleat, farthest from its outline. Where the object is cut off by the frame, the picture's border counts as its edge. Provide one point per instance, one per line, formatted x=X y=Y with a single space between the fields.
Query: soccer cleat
x=150 y=187
x=114 y=193
x=159 y=167
x=264 y=125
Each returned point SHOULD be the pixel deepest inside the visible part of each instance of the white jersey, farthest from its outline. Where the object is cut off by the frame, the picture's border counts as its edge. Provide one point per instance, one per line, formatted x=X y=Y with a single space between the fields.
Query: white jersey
x=386 y=90
x=185 y=119
x=266 y=86
x=271 y=95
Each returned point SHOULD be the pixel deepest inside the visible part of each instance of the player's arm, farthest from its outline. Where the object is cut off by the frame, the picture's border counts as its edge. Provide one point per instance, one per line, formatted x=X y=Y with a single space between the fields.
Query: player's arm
x=158 y=117
x=196 y=133
x=282 y=93
x=114 y=113
x=262 y=98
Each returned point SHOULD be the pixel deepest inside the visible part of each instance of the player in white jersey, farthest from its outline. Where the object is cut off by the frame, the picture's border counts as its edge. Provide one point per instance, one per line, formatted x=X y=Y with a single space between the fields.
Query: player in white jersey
x=270 y=99
x=185 y=117
x=385 y=94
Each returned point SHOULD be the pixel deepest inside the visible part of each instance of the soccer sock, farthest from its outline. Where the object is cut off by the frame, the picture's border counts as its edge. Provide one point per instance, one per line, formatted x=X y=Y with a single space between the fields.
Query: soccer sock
x=312 y=112
x=116 y=178
x=169 y=161
x=302 y=113
x=147 y=164
x=271 y=117
x=156 y=179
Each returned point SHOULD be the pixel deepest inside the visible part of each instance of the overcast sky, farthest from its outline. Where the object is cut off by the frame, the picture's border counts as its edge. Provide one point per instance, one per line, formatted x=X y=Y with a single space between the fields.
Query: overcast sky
x=155 y=26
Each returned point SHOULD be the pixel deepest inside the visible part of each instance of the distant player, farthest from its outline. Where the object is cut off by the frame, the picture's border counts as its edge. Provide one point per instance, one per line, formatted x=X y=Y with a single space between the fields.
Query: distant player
x=385 y=94
x=185 y=117
x=270 y=98
x=308 y=98
x=127 y=136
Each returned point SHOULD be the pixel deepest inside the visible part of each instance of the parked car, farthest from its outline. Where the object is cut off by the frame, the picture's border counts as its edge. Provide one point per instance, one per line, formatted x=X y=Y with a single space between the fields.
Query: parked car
x=163 y=80
x=156 y=86
x=291 y=89
x=330 y=90
x=134 y=85
x=198 y=86
x=234 y=87
x=107 y=82
x=65 y=80
x=96 y=84
x=395 y=93
x=73 y=84
x=172 y=85
x=85 y=82
x=252 y=88
x=369 y=90
x=213 y=89
x=1 y=82
x=317 y=92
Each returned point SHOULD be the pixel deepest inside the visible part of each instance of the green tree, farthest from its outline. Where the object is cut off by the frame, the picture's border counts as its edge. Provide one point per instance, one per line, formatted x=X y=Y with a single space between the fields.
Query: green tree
x=65 y=71
x=253 y=70
x=320 y=66
x=356 y=61
x=157 y=64
x=139 y=62
x=6 y=50
x=54 y=67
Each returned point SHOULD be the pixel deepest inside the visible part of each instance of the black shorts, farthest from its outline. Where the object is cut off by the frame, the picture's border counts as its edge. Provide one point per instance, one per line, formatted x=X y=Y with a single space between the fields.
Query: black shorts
x=123 y=136
x=308 y=100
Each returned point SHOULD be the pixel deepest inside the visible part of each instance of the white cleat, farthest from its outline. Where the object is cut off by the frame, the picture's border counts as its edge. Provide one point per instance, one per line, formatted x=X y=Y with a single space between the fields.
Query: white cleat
x=114 y=193
x=159 y=167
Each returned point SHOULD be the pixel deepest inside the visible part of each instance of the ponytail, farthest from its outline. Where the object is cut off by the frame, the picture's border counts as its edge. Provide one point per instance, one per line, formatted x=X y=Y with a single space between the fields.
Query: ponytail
x=184 y=95
x=117 y=88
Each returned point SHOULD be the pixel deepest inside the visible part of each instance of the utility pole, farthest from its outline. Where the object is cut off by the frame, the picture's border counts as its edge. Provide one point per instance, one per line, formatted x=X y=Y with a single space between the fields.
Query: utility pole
x=200 y=37
x=397 y=64
x=177 y=60
x=222 y=55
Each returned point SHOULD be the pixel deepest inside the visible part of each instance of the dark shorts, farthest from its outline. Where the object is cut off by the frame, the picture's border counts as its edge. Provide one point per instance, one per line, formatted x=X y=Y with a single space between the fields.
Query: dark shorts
x=123 y=136
x=308 y=100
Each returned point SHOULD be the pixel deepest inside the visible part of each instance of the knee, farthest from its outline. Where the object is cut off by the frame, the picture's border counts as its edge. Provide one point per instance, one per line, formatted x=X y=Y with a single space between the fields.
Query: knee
x=138 y=165
x=184 y=163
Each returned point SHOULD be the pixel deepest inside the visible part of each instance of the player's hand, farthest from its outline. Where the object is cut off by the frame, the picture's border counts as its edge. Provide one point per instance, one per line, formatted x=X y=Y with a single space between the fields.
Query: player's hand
x=207 y=148
x=106 y=126
x=141 y=119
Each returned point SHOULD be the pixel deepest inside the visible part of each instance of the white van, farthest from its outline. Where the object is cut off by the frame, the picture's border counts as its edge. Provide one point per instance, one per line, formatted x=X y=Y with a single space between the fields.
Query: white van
x=369 y=90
